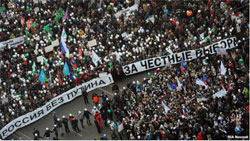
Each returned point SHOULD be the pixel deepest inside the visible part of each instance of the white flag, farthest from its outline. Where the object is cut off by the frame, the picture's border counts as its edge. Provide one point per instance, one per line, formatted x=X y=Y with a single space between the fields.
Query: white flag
x=95 y=57
x=220 y=93
x=200 y=82
x=64 y=35
x=170 y=51
x=222 y=69
x=178 y=83
x=165 y=107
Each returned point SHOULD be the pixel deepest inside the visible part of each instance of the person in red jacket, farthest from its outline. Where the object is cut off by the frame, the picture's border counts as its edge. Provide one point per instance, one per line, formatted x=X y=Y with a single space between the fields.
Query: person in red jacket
x=199 y=137
x=98 y=118
x=95 y=99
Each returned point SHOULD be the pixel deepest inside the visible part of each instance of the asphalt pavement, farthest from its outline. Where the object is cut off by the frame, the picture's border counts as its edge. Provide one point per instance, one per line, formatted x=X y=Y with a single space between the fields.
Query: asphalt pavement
x=87 y=133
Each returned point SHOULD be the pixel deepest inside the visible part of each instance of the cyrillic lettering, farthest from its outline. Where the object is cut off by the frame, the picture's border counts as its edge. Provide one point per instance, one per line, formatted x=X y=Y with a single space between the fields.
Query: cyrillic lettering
x=150 y=63
x=171 y=58
x=157 y=61
x=18 y=124
x=26 y=120
x=144 y=65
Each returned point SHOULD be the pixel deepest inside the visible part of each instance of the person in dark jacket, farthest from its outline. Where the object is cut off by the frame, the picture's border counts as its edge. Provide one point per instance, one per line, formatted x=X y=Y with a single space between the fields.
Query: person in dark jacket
x=55 y=131
x=115 y=88
x=36 y=134
x=47 y=134
x=85 y=96
x=65 y=123
x=86 y=114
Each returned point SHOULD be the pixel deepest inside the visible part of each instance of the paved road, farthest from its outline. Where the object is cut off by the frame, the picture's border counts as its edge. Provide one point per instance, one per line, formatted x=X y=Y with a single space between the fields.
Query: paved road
x=87 y=133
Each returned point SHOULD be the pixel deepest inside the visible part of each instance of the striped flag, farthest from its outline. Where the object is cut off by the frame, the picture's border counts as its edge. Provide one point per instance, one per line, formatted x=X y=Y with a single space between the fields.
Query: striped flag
x=173 y=86
x=79 y=52
x=221 y=51
x=22 y=21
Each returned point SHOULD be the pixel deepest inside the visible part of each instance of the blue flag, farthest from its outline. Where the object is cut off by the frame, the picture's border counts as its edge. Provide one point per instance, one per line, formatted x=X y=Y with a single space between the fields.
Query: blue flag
x=173 y=86
x=66 y=69
x=42 y=77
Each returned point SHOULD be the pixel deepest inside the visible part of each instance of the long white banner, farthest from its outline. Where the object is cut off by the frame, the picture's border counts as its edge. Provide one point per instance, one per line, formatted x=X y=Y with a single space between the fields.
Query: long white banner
x=13 y=42
x=156 y=62
x=68 y=96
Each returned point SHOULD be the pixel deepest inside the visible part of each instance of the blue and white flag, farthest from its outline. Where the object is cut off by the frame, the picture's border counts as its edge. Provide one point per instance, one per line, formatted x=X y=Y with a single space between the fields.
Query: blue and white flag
x=222 y=69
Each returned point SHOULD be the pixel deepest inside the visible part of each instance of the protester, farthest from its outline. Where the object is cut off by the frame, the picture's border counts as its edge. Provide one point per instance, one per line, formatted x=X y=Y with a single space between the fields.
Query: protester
x=85 y=96
x=47 y=134
x=87 y=116
x=65 y=123
x=80 y=117
x=36 y=134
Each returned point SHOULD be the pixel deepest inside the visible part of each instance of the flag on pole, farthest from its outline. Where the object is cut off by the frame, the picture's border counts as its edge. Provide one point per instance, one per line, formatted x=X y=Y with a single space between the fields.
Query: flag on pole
x=63 y=45
x=66 y=69
x=79 y=52
x=173 y=86
x=95 y=57
x=178 y=83
x=222 y=69
x=50 y=81
x=59 y=77
x=73 y=63
x=64 y=35
x=204 y=78
x=221 y=51
x=22 y=21
x=166 y=109
x=34 y=67
x=200 y=82
x=65 y=15
x=29 y=23
x=183 y=65
x=243 y=2
x=42 y=77
x=170 y=51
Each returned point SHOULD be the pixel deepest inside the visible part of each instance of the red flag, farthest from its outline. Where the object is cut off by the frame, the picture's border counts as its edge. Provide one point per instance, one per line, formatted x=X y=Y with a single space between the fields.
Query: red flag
x=29 y=23
x=79 y=52
x=228 y=1
x=22 y=20
x=230 y=65
x=73 y=63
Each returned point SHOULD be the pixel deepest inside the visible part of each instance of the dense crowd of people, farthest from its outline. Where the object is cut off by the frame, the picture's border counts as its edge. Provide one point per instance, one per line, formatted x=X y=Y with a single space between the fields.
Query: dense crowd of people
x=153 y=30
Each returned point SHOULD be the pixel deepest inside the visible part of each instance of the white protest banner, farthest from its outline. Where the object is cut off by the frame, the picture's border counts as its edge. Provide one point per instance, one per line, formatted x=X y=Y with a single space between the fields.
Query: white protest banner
x=158 y=62
x=120 y=127
x=40 y=58
x=95 y=57
x=220 y=93
x=129 y=9
x=51 y=47
x=13 y=42
x=162 y=61
x=66 y=97
x=87 y=53
x=124 y=35
x=92 y=43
